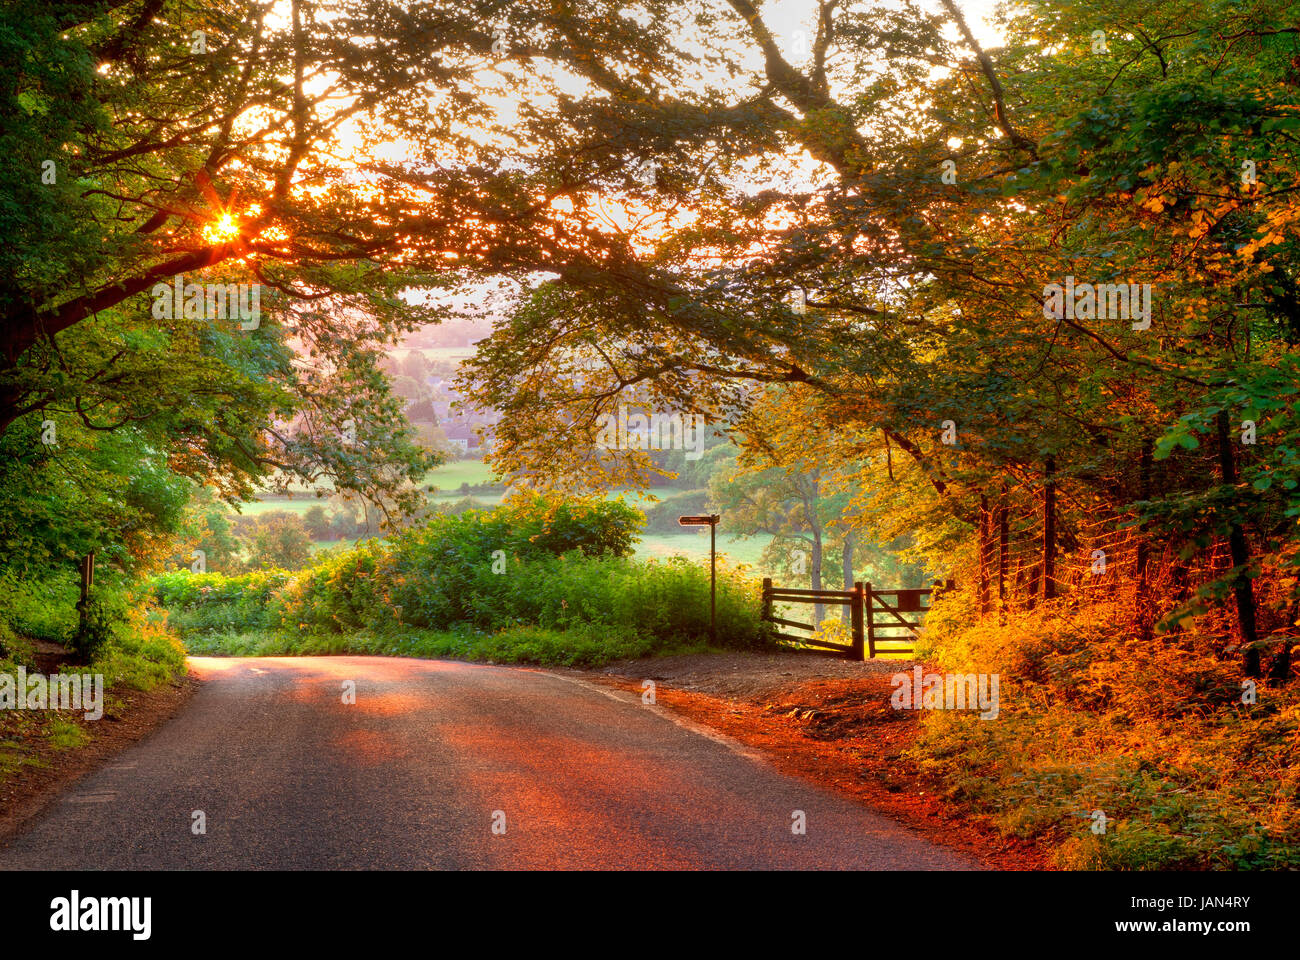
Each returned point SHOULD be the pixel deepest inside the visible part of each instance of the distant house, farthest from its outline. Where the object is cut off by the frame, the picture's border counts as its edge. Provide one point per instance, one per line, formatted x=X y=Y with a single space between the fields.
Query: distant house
x=460 y=434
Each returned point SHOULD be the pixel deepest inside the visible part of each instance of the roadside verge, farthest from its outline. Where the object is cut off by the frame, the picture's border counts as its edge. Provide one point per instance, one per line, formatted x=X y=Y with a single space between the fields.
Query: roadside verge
x=35 y=767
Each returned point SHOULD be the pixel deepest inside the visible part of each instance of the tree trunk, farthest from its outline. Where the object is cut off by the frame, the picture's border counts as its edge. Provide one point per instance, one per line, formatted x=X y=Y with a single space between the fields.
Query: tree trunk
x=1242 y=586
x=847 y=564
x=1004 y=557
x=819 y=609
x=1279 y=670
x=1049 y=530
x=985 y=536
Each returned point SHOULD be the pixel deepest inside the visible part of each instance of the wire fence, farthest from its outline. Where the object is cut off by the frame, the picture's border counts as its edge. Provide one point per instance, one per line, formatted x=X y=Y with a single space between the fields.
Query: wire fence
x=1042 y=540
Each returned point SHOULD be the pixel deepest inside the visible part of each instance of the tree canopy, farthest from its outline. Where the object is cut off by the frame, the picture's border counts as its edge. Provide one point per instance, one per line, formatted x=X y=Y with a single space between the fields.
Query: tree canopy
x=865 y=223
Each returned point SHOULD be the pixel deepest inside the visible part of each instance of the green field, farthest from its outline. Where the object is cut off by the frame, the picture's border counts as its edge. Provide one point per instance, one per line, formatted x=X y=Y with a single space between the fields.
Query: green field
x=448 y=478
x=447 y=353
x=639 y=499
x=299 y=503
x=452 y=474
x=696 y=546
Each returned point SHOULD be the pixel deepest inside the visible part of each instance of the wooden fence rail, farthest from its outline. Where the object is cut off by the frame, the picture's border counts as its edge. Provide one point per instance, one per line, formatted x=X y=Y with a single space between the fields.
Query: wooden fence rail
x=876 y=616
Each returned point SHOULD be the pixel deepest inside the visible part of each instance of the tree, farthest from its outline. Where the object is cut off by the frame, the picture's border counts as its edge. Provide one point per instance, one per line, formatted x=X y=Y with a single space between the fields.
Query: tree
x=280 y=539
x=784 y=505
x=317 y=523
x=901 y=290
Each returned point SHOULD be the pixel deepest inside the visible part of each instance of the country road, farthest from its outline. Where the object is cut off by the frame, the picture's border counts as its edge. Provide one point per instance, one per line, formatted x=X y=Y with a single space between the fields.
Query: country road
x=412 y=776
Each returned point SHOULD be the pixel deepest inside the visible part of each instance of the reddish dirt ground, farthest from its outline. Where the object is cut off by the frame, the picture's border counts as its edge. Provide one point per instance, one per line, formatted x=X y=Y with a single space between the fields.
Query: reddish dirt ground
x=829 y=721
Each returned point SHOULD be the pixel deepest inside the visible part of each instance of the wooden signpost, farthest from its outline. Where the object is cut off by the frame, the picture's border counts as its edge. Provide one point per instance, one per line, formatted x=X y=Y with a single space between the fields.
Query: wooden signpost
x=712 y=521
x=87 y=570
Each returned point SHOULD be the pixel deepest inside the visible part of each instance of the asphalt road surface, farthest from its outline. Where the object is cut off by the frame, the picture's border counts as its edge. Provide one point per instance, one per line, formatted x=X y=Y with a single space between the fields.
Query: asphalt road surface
x=433 y=761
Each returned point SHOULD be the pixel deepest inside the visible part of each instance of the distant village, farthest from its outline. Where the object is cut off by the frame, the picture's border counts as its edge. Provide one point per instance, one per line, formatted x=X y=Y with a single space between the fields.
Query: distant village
x=423 y=370
x=466 y=427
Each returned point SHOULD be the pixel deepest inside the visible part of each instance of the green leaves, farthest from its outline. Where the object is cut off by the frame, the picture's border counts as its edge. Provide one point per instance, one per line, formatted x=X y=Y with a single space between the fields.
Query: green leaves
x=1181 y=435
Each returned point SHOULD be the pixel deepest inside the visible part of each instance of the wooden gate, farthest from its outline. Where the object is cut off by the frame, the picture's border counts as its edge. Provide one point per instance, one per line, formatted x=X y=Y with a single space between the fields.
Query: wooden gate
x=888 y=630
x=877 y=616
x=851 y=598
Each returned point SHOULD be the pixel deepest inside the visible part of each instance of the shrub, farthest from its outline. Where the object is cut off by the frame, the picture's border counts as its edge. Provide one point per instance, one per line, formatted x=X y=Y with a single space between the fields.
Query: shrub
x=540 y=562
x=553 y=525
x=1152 y=733
x=203 y=602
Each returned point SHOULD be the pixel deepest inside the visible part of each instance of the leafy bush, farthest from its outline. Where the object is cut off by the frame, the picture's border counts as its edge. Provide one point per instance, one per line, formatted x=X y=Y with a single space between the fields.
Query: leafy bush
x=556 y=526
x=40 y=609
x=1154 y=734
x=538 y=562
x=213 y=601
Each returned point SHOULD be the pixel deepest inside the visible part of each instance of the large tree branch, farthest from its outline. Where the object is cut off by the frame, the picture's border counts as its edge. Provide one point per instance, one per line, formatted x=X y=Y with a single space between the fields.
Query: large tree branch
x=1000 y=115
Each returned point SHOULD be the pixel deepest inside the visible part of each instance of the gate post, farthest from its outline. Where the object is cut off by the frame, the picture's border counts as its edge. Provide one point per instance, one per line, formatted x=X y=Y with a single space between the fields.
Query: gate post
x=871 y=622
x=855 y=609
x=767 y=598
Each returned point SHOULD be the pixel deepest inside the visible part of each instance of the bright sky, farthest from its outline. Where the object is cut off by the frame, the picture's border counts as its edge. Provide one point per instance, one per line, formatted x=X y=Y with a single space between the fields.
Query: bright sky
x=792 y=21
x=787 y=16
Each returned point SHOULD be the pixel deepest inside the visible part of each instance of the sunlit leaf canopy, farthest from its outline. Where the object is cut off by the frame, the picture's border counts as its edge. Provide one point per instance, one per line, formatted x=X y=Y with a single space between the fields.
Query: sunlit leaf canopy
x=345 y=152
x=824 y=177
x=336 y=153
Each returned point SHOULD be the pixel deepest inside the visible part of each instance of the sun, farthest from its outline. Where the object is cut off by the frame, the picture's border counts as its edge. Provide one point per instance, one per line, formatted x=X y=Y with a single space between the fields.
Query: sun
x=222 y=229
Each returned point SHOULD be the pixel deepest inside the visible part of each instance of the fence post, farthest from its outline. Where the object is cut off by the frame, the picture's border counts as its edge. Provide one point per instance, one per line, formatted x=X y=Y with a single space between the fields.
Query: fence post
x=1004 y=558
x=871 y=621
x=1049 y=530
x=856 y=611
x=767 y=598
x=985 y=539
